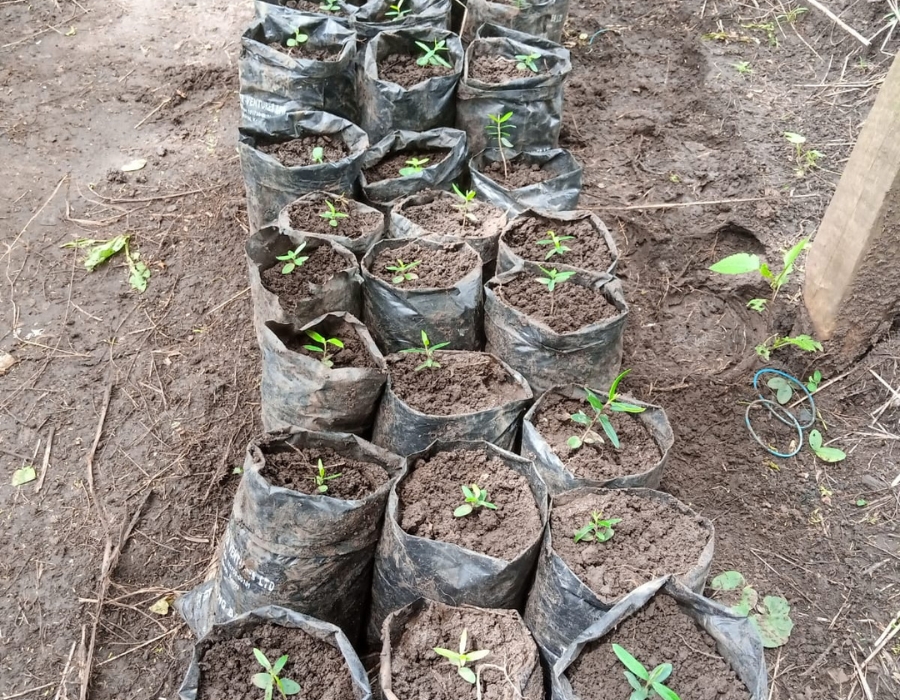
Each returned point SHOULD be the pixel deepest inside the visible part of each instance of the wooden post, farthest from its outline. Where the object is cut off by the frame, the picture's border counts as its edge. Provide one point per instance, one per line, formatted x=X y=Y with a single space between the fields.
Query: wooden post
x=852 y=284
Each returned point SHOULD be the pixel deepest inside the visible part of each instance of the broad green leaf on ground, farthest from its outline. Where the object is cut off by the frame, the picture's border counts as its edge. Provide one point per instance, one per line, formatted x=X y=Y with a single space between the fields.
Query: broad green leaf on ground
x=774 y=622
x=737 y=264
x=782 y=388
x=826 y=454
x=727 y=581
x=23 y=476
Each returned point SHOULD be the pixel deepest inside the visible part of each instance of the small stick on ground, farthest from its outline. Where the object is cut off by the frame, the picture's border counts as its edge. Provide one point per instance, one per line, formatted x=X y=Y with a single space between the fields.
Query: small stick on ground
x=60 y=690
x=839 y=22
x=46 y=461
x=159 y=107
x=702 y=203
x=23 y=693
x=90 y=458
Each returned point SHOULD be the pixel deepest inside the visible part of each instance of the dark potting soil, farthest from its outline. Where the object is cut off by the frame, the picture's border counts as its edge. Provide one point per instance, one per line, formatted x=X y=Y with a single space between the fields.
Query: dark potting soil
x=518 y=173
x=773 y=433
x=587 y=249
x=438 y=268
x=441 y=216
x=228 y=666
x=309 y=6
x=298 y=152
x=324 y=263
x=573 y=306
x=433 y=490
x=353 y=354
x=297 y=469
x=600 y=460
x=323 y=53
x=401 y=68
x=652 y=540
x=418 y=673
x=466 y=382
x=389 y=167
x=306 y=216
x=496 y=70
x=658 y=633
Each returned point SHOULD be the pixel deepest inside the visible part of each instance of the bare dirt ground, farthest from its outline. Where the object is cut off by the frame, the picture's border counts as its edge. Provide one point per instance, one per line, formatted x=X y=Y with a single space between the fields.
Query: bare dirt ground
x=164 y=384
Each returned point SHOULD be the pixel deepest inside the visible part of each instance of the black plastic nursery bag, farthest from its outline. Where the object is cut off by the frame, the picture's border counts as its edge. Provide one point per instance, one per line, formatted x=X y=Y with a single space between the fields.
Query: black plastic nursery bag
x=541 y=18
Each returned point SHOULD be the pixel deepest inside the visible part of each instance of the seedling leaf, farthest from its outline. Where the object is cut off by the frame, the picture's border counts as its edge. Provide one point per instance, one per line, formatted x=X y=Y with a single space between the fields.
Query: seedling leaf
x=23 y=476
x=289 y=687
x=610 y=431
x=774 y=622
x=631 y=663
x=467 y=674
x=262 y=680
x=737 y=264
x=826 y=454
x=727 y=581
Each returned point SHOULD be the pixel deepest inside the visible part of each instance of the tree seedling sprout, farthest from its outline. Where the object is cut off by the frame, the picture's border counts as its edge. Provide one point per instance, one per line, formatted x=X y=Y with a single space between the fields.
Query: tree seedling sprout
x=329 y=6
x=465 y=204
x=557 y=242
x=743 y=263
x=322 y=477
x=397 y=12
x=270 y=680
x=413 y=166
x=428 y=350
x=776 y=342
x=297 y=40
x=432 y=57
x=743 y=67
x=646 y=684
x=318 y=155
x=499 y=130
x=402 y=271
x=322 y=347
x=598 y=528
x=476 y=497
x=332 y=216
x=527 y=61
x=589 y=436
x=805 y=158
x=461 y=658
x=553 y=278
x=292 y=259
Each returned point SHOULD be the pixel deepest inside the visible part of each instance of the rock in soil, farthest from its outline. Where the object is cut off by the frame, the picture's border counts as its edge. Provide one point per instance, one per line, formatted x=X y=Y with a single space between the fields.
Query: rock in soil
x=296 y=470
x=298 y=152
x=438 y=268
x=569 y=308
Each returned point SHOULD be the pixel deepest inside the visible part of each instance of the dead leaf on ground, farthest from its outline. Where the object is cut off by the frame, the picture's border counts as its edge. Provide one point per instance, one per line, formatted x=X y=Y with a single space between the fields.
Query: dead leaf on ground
x=6 y=361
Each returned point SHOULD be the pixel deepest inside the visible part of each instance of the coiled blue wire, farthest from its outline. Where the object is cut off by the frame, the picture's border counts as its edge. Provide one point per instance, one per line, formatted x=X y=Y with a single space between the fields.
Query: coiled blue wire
x=780 y=411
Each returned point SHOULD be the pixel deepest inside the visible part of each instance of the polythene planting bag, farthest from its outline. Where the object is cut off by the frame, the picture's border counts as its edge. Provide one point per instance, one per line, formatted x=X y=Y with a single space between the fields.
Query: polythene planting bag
x=310 y=553
x=404 y=430
x=304 y=8
x=737 y=641
x=396 y=316
x=273 y=614
x=357 y=245
x=555 y=474
x=541 y=18
x=343 y=292
x=535 y=99
x=559 y=192
x=387 y=106
x=274 y=83
x=271 y=185
x=408 y=567
x=371 y=18
x=435 y=175
x=297 y=390
x=591 y=355
x=560 y=606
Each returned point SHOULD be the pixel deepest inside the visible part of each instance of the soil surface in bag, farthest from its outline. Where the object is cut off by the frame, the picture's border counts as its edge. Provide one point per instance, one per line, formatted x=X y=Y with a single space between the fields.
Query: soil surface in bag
x=389 y=168
x=401 y=68
x=306 y=217
x=444 y=216
x=228 y=666
x=497 y=70
x=432 y=491
x=657 y=633
x=311 y=6
x=324 y=263
x=303 y=52
x=518 y=174
x=464 y=383
x=297 y=470
x=439 y=268
x=298 y=152
x=573 y=307
x=418 y=673
x=353 y=354
x=587 y=248
x=598 y=460
x=653 y=539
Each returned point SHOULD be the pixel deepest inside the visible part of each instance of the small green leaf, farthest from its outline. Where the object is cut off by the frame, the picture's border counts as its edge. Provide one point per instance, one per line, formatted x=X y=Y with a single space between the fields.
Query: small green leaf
x=467 y=674
x=623 y=407
x=583 y=532
x=261 y=658
x=23 y=476
x=665 y=692
x=795 y=139
x=631 y=663
x=446 y=653
x=574 y=442
x=861 y=502
x=737 y=264
x=262 y=680
x=774 y=622
x=610 y=431
x=748 y=600
x=640 y=693
x=289 y=687
x=727 y=581
x=580 y=418
x=831 y=454
x=278 y=665
x=815 y=440
x=593 y=400
x=661 y=673
x=477 y=655
x=462 y=511
x=614 y=387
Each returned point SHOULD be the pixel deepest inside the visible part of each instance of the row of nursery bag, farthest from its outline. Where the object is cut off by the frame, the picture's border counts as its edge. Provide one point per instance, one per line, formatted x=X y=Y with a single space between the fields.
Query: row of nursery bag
x=405 y=80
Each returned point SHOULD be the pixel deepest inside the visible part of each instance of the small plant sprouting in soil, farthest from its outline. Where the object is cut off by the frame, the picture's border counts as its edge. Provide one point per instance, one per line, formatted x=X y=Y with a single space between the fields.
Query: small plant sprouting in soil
x=526 y=61
x=598 y=529
x=318 y=155
x=814 y=380
x=784 y=391
x=292 y=259
x=646 y=683
x=329 y=6
x=776 y=342
x=743 y=67
x=332 y=216
x=99 y=251
x=767 y=27
x=589 y=436
x=826 y=454
x=397 y=12
x=322 y=477
x=428 y=350
x=792 y=15
x=270 y=680
x=464 y=205
x=557 y=242
x=553 y=278
x=462 y=657
x=297 y=39
x=805 y=158
x=432 y=57
x=742 y=263
x=772 y=618
x=476 y=497
x=413 y=166
x=402 y=271
x=322 y=347
x=499 y=130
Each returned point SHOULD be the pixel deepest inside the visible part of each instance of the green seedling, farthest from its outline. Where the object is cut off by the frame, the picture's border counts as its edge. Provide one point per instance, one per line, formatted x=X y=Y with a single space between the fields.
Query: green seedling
x=743 y=67
x=826 y=454
x=397 y=12
x=861 y=503
x=329 y=6
x=332 y=216
x=598 y=529
x=557 y=242
x=792 y=15
x=413 y=166
x=813 y=382
x=432 y=57
x=476 y=497
x=465 y=204
x=99 y=251
x=771 y=618
x=292 y=259
x=646 y=684
x=767 y=27
x=24 y=475
x=805 y=158
x=526 y=61
x=462 y=657
x=322 y=347
x=428 y=350
x=599 y=406
x=297 y=40
x=270 y=680
x=498 y=129
x=784 y=389
x=776 y=342
x=318 y=155
x=402 y=271
x=554 y=277
x=322 y=477
x=744 y=263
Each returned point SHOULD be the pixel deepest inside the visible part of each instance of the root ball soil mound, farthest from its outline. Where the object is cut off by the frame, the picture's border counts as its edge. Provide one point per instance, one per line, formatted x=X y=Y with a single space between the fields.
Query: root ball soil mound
x=324 y=263
x=587 y=248
x=439 y=268
x=518 y=174
x=567 y=310
x=297 y=469
x=442 y=216
x=401 y=68
x=306 y=216
x=389 y=167
x=298 y=152
x=495 y=70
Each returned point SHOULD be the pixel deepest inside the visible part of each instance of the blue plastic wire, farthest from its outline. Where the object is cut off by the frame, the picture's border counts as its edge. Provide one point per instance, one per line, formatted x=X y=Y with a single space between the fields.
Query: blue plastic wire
x=774 y=408
x=794 y=380
x=595 y=35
